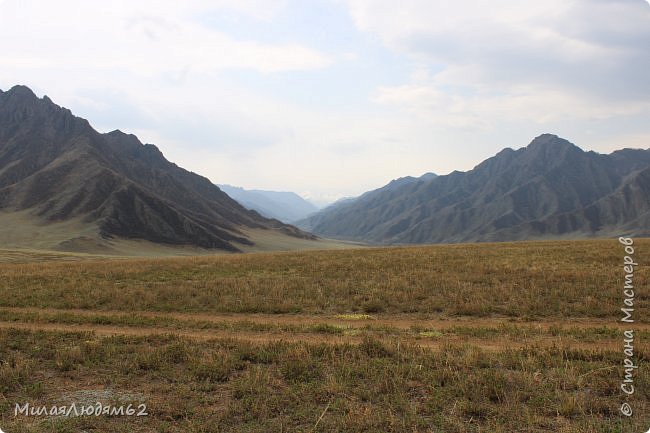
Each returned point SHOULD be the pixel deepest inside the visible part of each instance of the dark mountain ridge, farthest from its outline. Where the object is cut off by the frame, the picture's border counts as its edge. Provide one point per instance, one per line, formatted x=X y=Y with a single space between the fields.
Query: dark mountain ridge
x=57 y=166
x=551 y=188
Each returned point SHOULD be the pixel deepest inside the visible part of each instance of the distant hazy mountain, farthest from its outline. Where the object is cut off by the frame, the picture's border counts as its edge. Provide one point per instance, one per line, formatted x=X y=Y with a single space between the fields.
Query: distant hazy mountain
x=549 y=189
x=284 y=206
x=57 y=167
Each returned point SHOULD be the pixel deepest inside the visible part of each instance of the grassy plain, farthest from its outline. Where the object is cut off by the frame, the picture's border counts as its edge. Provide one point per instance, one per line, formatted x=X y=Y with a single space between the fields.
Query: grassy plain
x=513 y=337
x=22 y=231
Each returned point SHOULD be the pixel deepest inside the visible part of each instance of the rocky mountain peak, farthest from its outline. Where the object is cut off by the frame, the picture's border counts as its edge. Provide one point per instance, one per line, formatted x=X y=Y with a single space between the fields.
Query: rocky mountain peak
x=58 y=167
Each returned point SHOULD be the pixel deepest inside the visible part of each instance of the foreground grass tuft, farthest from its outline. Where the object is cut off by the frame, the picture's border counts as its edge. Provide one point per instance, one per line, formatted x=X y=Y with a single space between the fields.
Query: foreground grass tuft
x=229 y=386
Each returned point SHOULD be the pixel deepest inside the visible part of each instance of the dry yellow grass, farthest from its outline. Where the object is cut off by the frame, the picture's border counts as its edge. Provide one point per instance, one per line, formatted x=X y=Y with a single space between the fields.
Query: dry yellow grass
x=518 y=337
x=527 y=280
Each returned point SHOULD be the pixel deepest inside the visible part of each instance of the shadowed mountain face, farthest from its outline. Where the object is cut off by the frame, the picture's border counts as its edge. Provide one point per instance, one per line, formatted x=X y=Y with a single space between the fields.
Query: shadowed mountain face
x=549 y=189
x=284 y=206
x=57 y=166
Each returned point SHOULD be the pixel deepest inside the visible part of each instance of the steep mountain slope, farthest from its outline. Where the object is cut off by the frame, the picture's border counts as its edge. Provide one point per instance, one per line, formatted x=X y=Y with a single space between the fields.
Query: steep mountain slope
x=551 y=188
x=284 y=206
x=57 y=167
x=327 y=219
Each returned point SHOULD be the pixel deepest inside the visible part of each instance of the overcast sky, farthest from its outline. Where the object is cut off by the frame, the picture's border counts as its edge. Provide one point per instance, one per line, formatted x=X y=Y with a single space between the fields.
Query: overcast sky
x=330 y=98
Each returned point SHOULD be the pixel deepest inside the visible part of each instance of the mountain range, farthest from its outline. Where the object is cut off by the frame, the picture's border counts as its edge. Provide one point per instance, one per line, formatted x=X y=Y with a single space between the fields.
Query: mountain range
x=63 y=185
x=284 y=206
x=548 y=189
x=55 y=168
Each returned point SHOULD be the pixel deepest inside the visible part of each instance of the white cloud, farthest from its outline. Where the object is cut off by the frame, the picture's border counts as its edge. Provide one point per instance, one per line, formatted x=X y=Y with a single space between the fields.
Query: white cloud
x=522 y=103
x=145 y=38
x=527 y=60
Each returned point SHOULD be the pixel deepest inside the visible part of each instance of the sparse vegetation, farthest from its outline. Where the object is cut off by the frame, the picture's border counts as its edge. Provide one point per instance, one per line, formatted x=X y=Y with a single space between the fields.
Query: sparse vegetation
x=354 y=316
x=225 y=385
x=525 y=280
x=472 y=338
